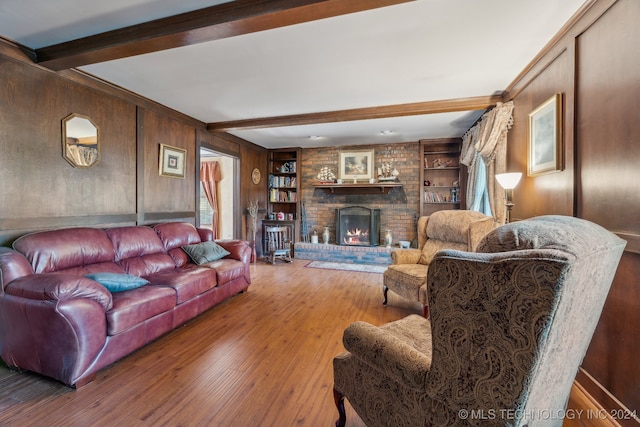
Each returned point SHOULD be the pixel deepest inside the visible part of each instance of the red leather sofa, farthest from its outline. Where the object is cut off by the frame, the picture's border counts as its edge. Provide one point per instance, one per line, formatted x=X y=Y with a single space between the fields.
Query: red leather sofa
x=61 y=324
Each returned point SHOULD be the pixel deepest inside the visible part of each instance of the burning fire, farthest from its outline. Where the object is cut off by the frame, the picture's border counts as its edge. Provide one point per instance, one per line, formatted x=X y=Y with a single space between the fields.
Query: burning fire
x=356 y=236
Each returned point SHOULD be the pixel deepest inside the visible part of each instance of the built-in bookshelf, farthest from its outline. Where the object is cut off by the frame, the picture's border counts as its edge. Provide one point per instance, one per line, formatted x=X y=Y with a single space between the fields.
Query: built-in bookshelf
x=284 y=189
x=442 y=186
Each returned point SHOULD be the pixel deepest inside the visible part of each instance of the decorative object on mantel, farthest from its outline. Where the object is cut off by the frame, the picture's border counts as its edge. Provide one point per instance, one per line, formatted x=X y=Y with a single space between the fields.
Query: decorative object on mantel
x=253 y=216
x=314 y=237
x=326 y=175
x=325 y=236
x=387 y=173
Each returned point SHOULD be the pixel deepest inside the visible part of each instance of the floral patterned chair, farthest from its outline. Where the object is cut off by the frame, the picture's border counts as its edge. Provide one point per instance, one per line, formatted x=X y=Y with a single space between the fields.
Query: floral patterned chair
x=447 y=229
x=509 y=327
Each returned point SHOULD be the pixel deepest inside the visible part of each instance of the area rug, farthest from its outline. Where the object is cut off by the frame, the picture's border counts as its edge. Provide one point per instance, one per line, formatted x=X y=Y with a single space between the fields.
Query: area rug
x=366 y=268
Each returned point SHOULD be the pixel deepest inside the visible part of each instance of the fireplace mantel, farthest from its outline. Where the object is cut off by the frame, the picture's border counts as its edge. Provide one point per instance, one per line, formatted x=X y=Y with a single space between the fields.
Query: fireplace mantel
x=360 y=188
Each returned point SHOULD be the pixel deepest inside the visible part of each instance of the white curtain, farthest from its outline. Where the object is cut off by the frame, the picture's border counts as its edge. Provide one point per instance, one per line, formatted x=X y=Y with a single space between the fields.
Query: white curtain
x=487 y=140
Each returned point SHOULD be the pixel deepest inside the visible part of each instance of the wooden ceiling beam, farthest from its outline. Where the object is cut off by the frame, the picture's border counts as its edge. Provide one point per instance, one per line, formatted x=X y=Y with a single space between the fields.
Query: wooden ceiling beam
x=381 y=112
x=212 y=23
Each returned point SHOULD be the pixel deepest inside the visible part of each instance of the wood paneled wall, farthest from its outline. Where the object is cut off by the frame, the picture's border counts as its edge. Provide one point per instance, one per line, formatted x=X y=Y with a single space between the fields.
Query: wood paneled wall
x=595 y=66
x=40 y=190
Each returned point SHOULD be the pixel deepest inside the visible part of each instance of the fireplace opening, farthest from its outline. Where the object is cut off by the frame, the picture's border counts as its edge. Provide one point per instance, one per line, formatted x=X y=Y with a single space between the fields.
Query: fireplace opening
x=358 y=226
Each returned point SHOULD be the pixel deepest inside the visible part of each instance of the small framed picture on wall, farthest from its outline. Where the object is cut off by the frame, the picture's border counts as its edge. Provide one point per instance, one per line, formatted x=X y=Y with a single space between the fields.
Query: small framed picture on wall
x=172 y=161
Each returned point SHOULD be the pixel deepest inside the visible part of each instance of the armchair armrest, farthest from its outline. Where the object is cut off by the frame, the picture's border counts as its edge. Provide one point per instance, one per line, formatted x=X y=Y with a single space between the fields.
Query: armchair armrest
x=490 y=313
x=386 y=353
x=405 y=256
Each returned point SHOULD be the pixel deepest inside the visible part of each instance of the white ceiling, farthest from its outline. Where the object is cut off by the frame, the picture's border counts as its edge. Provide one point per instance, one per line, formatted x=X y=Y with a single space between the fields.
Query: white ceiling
x=427 y=50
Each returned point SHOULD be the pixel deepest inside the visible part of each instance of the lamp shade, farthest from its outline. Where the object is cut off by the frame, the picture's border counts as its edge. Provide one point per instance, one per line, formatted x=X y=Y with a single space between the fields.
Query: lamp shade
x=508 y=181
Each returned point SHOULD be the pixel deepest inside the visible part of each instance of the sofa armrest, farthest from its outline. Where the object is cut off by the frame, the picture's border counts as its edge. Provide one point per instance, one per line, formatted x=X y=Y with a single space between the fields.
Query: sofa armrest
x=12 y=266
x=206 y=234
x=60 y=287
x=239 y=249
x=405 y=256
x=387 y=354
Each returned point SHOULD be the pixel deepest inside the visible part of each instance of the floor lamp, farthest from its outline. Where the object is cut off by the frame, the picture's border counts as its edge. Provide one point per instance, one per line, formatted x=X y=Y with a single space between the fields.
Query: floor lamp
x=508 y=181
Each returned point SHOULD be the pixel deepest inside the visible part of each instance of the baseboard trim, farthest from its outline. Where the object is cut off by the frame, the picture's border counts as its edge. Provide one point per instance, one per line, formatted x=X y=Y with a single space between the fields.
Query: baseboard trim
x=589 y=395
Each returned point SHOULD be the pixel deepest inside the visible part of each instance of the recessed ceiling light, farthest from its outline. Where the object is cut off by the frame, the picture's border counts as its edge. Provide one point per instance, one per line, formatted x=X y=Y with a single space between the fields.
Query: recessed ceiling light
x=386 y=132
x=313 y=137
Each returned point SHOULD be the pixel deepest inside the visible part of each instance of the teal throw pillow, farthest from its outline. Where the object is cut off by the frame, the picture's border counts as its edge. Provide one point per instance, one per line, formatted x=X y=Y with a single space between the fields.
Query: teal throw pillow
x=116 y=282
x=201 y=253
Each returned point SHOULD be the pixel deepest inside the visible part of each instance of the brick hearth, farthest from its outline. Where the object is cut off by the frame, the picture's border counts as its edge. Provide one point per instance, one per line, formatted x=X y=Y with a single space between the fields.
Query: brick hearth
x=338 y=253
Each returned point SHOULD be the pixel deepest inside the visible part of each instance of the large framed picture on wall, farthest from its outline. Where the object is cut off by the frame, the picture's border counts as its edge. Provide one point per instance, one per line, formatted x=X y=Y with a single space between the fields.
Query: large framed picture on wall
x=545 y=137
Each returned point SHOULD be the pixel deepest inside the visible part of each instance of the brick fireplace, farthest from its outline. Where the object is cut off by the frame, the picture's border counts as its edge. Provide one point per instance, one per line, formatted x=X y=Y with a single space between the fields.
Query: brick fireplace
x=399 y=208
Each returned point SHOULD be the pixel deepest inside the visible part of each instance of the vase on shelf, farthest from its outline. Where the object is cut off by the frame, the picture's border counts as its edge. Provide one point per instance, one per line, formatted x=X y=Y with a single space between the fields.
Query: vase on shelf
x=388 y=238
x=325 y=236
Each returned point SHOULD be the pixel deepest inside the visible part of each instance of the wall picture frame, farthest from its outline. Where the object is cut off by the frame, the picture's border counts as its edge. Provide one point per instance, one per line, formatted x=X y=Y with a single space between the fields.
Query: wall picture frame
x=356 y=165
x=172 y=161
x=545 y=148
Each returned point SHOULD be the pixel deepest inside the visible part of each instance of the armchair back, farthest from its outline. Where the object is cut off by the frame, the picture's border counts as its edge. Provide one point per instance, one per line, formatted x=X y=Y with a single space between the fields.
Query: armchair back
x=451 y=229
x=509 y=327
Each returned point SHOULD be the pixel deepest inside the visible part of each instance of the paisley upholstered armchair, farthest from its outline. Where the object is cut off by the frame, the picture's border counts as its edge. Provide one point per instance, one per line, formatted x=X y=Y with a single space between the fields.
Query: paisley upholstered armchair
x=446 y=229
x=509 y=327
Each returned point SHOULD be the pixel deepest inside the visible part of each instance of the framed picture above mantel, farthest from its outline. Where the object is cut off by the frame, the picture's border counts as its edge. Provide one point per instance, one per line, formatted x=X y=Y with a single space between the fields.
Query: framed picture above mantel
x=356 y=165
x=545 y=149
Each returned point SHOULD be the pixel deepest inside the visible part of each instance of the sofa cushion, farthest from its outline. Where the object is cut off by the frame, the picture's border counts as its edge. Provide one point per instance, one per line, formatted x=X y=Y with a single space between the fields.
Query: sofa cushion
x=187 y=281
x=57 y=250
x=117 y=282
x=177 y=234
x=204 y=252
x=136 y=241
x=132 y=307
x=227 y=269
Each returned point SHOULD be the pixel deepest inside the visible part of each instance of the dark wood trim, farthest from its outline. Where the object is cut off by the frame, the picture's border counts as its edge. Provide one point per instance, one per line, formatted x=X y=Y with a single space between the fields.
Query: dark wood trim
x=633 y=242
x=362 y=188
x=237 y=140
x=198 y=26
x=168 y=216
x=604 y=402
x=380 y=112
x=140 y=164
x=33 y=223
x=590 y=11
x=89 y=80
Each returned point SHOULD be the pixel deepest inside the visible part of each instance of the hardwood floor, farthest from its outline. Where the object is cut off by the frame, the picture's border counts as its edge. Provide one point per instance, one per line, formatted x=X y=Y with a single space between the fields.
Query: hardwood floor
x=262 y=358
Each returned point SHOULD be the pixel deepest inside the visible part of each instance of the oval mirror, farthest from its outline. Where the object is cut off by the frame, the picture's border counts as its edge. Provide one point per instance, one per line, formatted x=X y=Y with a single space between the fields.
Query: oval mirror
x=80 y=145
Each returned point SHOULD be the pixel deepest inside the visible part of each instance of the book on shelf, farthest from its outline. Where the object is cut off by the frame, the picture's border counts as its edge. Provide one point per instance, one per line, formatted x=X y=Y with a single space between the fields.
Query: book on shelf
x=441 y=197
x=277 y=181
x=276 y=195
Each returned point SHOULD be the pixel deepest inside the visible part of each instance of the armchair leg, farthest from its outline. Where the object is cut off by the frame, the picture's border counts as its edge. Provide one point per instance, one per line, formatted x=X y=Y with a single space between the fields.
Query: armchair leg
x=339 y=399
x=385 y=289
